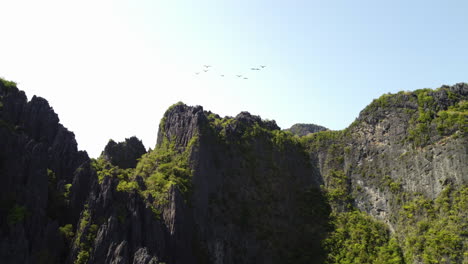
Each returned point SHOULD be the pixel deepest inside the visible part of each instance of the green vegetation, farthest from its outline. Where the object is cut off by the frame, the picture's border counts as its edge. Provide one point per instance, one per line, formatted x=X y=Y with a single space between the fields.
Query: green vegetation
x=430 y=116
x=160 y=169
x=305 y=129
x=389 y=100
x=383 y=101
x=7 y=84
x=337 y=189
x=394 y=186
x=427 y=231
x=173 y=106
x=358 y=238
x=86 y=235
x=67 y=231
x=66 y=194
x=17 y=214
x=322 y=139
x=419 y=134
x=58 y=197
x=454 y=118
x=127 y=186
x=105 y=169
x=218 y=122
x=435 y=231
x=166 y=166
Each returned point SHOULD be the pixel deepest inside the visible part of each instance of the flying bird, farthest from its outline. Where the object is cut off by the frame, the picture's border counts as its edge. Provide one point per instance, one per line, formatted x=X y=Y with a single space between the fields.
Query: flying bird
x=205 y=70
x=239 y=75
x=263 y=66
x=222 y=75
x=255 y=69
x=245 y=78
x=197 y=73
x=206 y=66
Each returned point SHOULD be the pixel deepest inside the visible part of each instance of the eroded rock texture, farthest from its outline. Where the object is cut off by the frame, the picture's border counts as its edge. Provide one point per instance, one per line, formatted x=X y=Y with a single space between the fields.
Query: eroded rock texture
x=235 y=189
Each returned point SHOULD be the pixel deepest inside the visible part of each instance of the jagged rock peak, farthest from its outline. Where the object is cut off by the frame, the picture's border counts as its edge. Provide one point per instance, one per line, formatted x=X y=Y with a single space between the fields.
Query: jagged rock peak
x=124 y=154
x=180 y=123
x=249 y=119
x=44 y=178
x=305 y=129
x=442 y=98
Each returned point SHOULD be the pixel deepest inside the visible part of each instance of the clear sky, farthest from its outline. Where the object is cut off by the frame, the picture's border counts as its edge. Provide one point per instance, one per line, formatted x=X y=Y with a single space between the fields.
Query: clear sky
x=111 y=68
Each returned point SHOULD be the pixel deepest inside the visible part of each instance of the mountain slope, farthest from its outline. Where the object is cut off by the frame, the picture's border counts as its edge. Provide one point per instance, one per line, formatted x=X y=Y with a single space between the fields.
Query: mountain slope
x=391 y=188
x=404 y=162
x=43 y=183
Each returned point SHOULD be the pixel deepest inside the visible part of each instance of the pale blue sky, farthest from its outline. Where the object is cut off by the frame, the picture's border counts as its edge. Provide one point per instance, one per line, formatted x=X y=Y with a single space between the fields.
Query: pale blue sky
x=111 y=68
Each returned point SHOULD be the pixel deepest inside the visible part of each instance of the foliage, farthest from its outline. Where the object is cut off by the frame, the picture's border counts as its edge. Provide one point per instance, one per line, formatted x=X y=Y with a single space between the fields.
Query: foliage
x=67 y=231
x=358 y=238
x=217 y=121
x=322 y=139
x=82 y=258
x=17 y=214
x=127 y=186
x=105 y=169
x=419 y=134
x=305 y=129
x=66 y=194
x=174 y=106
x=86 y=235
x=435 y=231
x=394 y=186
x=7 y=84
x=166 y=166
x=446 y=121
x=58 y=198
x=454 y=118
x=337 y=188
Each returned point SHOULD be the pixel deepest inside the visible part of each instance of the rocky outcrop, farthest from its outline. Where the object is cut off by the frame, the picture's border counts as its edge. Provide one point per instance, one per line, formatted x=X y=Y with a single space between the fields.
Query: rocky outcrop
x=38 y=160
x=241 y=166
x=405 y=151
x=124 y=154
x=238 y=189
x=305 y=129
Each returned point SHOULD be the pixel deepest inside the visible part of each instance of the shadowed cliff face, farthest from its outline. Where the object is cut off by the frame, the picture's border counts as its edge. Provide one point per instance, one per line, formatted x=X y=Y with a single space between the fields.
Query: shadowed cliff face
x=250 y=184
x=38 y=165
x=124 y=154
x=238 y=189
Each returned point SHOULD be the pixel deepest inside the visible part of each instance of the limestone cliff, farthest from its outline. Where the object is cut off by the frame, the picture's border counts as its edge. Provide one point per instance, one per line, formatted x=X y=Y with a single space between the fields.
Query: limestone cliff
x=305 y=129
x=404 y=162
x=391 y=188
x=40 y=170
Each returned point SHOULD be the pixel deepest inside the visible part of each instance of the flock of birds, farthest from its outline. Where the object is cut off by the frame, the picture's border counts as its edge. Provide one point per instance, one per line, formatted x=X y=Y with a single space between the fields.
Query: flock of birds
x=206 y=68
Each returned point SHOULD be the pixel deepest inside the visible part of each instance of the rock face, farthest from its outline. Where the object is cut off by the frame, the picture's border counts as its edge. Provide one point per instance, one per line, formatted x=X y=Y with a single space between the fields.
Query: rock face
x=305 y=129
x=380 y=145
x=38 y=163
x=404 y=162
x=242 y=166
x=124 y=154
x=238 y=189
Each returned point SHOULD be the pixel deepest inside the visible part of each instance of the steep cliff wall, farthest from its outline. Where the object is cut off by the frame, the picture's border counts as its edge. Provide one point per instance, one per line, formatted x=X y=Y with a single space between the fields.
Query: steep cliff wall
x=42 y=187
x=247 y=190
x=391 y=188
x=403 y=156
